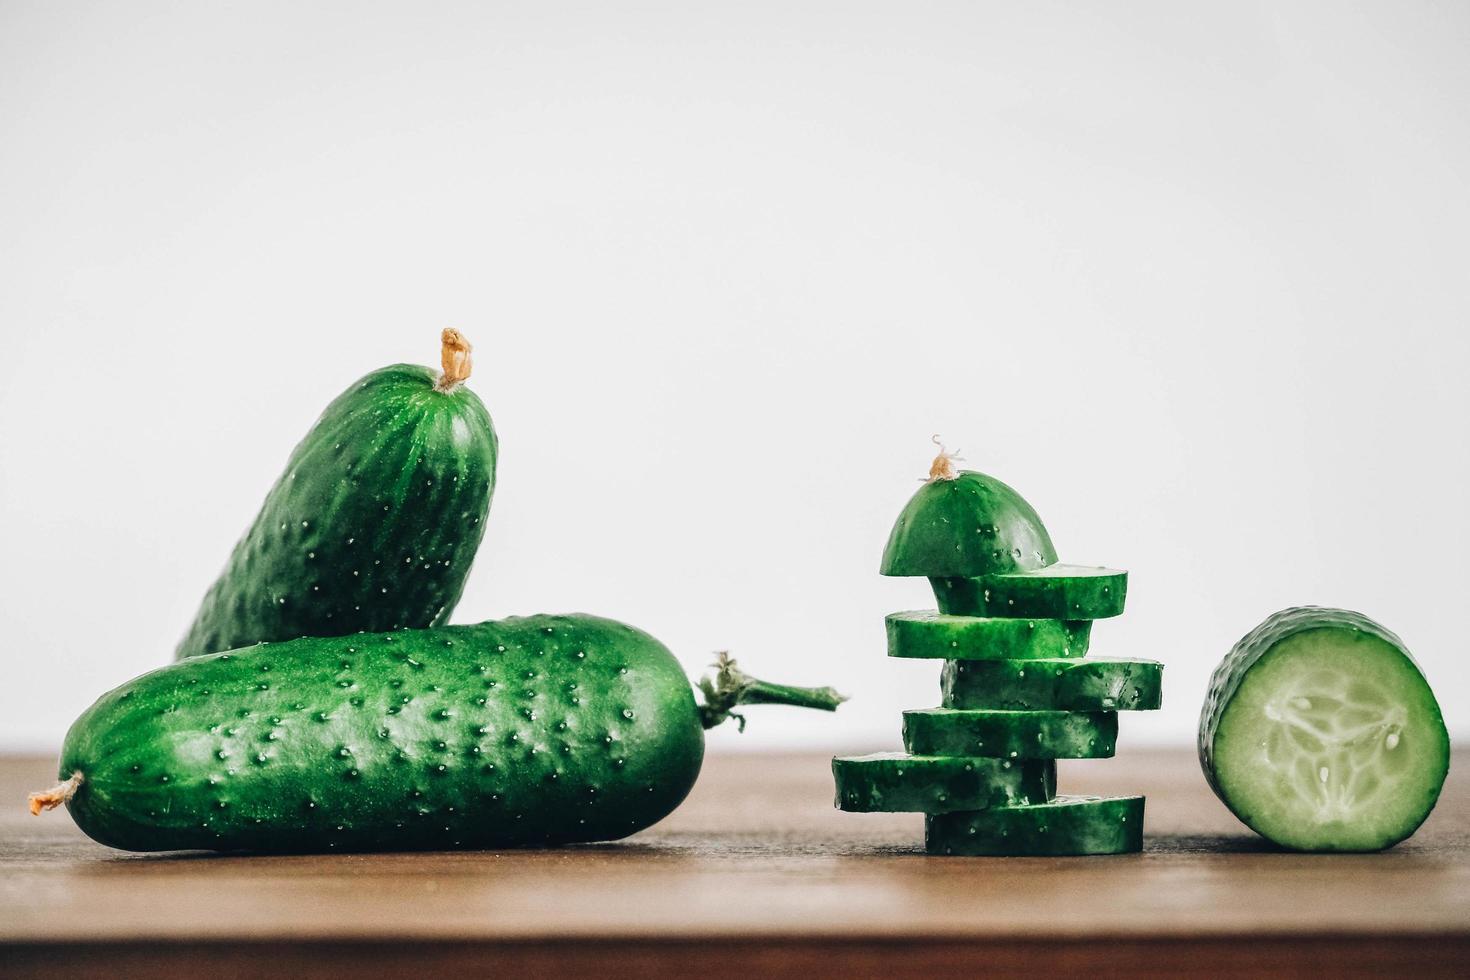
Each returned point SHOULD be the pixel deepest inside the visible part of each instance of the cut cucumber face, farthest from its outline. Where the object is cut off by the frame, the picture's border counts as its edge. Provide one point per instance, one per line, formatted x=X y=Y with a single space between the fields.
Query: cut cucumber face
x=1095 y=684
x=1066 y=825
x=935 y=636
x=1011 y=734
x=970 y=525
x=1321 y=733
x=1053 y=592
x=897 y=783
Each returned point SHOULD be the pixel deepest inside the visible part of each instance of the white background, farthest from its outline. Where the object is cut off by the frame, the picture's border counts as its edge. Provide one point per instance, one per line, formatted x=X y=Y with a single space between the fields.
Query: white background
x=1192 y=277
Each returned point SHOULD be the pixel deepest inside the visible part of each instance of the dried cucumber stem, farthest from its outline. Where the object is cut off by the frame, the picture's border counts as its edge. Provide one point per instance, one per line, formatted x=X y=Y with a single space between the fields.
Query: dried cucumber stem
x=52 y=798
x=943 y=466
x=454 y=355
x=730 y=687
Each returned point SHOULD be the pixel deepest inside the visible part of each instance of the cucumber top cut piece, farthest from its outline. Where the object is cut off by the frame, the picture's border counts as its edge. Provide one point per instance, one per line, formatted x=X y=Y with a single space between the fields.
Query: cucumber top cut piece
x=893 y=782
x=936 y=636
x=1321 y=733
x=375 y=522
x=1055 y=592
x=1011 y=734
x=1067 y=825
x=1094 y=684
x=966 y=523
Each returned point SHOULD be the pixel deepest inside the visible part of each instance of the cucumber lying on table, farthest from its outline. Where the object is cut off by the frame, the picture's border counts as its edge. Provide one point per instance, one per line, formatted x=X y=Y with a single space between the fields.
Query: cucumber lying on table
x=1320 y=733
x=526 y=731
x=1067 y=825
x=375 y=522
x=894 y=782
x=930 y=635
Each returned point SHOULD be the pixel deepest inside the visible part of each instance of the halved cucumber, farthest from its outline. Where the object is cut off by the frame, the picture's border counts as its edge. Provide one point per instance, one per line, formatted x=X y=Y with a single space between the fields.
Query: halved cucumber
x=932 y=635
x=1055 y=592
x=1321 y=733
x=1011 y=734
x=1066 y=825
x=1096 y=684
x=898 y=783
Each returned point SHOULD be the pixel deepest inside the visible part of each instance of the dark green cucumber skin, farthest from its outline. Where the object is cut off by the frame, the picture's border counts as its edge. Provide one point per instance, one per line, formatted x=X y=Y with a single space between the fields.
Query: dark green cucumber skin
x=1257 y=643
x=974 y=638
x=1068 y=826
x=1053 y=685
x=892 y=783
x=373 y=526
x=1033 y=596
x=527 y=731
x=971 y=525
x=1011 y=734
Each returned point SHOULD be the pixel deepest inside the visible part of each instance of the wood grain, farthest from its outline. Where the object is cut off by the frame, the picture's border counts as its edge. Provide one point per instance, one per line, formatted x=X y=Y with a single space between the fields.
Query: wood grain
x=755 y=875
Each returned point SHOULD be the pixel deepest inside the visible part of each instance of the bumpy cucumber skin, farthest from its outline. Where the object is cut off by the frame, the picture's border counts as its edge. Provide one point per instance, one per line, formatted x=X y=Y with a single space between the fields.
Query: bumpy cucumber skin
x=1232 y=670
x=935 y=636
x=1068 y=825
x=1053 y=592
x=971 y=525
x=526 y=731
x=891 y=782
x=1011 y=734
x=1096 y=684
x=373 y=525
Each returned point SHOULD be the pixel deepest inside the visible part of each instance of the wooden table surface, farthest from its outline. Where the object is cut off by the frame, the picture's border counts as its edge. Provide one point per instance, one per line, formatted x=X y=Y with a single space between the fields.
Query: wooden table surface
x=756 y=875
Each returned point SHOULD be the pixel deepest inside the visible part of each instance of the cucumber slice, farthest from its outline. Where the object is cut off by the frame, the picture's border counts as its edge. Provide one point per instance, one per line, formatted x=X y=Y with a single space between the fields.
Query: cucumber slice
x=1321 y=733
x=935 y=636
x=1066 y=825
x=1055 y=592
x=966 y=523
x=1096 y=684
x=897 y=783
x=1011 y=734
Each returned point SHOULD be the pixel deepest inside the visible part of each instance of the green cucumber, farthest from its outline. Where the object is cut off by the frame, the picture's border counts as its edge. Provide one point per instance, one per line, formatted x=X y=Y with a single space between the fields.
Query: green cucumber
x=897 y=783
x=1056 y=592
x=932 y=635
x=966 y=523
x=1097 y=684
x=527 y=731
x=1011 y=734
x=1320 y=732
x=375 y=522
x=1068 y=825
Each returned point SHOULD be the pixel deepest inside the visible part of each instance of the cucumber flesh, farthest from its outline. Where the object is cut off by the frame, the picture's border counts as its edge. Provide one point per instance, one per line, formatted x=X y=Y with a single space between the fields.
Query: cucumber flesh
x=1011 y=734
x=897 y=783
x=1095 y=684
x=1067 y=825
x=1056 y=592
x=933 y=635
x=967 y=524
x=1321 y=733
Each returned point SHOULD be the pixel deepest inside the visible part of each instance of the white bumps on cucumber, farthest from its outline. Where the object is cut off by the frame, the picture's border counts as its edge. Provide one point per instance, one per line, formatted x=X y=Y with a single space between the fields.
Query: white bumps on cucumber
x=1067 y=825
x=1321 y=733
x=924 y=633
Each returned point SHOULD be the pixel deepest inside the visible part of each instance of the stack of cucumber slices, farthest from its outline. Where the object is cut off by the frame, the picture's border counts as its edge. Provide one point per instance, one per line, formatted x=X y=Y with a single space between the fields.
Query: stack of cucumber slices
x=1019 y=693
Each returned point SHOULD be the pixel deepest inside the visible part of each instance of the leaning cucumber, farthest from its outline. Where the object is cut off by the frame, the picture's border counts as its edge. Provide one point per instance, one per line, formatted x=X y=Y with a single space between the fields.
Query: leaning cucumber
x=536 y=730
x=1320 y=732
x=1066 y=825
x=1011 y=734
x=1097 y=684
x=375 y=522
x=893 y=782
x=935 y=636
x=1056 y=591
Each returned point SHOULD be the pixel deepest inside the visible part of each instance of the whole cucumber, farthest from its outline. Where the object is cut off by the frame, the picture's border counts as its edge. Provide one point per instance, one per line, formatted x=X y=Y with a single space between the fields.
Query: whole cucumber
x=524 y=731
x=375 y=522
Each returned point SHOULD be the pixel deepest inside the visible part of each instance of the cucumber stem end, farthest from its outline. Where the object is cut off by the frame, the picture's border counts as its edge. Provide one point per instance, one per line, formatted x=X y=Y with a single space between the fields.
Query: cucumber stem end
x=943 y=466
x=52 y=798
x=454 y=356
x=731 y=687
